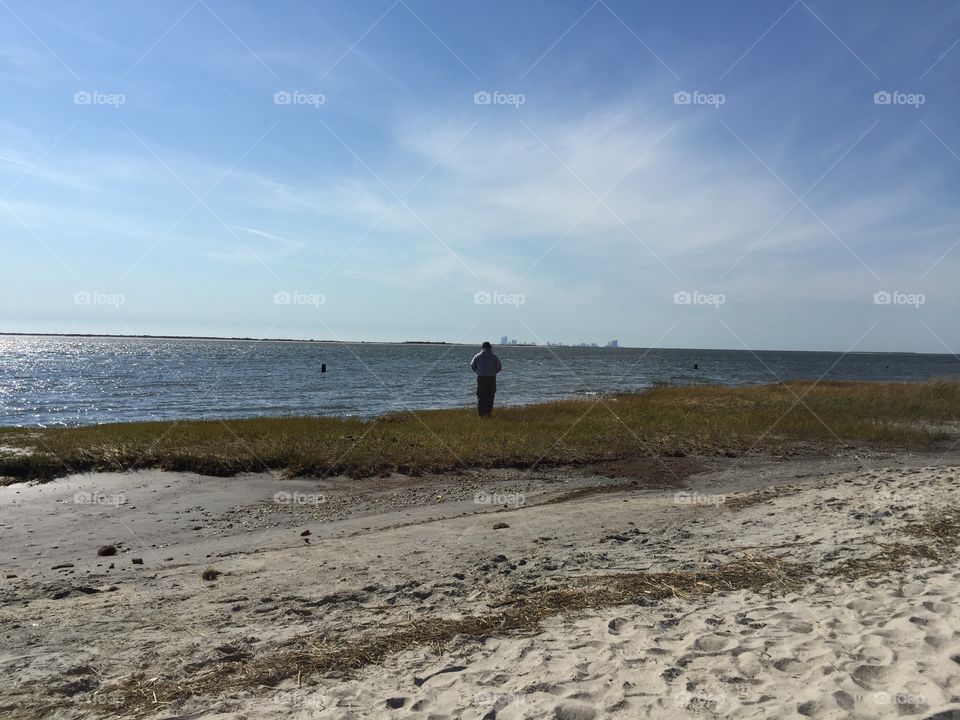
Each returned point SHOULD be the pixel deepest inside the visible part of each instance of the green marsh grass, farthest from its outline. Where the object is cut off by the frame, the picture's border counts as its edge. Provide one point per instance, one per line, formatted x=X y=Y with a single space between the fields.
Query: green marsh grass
x=662 y=421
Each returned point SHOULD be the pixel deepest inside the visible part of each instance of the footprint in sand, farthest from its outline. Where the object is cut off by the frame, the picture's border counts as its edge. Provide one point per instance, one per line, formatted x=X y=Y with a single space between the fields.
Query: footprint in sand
x=711 y=643
x=615 y=625
x=844 y=700
x=810 y=708
x=748 y=664
x=790 y=666
x=790 y=622
x=876 y=653
x=863 y=605
x=913 y=589
x=873 y=677
x=542 y=687
x=574 y=711
x=935 y=606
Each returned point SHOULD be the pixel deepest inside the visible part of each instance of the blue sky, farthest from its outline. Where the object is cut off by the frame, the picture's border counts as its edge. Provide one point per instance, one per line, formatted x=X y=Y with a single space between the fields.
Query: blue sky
x=678 y=174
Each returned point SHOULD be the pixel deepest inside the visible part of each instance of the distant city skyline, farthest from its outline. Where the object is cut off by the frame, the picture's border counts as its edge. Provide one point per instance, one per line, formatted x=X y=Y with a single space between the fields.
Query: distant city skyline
x=506 y=340
x=764 y=174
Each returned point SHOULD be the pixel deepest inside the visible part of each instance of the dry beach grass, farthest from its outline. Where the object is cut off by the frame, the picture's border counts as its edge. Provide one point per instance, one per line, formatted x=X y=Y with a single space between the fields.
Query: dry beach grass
x=663 y=421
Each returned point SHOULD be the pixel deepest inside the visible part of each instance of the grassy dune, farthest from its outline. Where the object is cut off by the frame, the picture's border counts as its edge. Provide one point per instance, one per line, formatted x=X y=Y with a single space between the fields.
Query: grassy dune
x=663 y=421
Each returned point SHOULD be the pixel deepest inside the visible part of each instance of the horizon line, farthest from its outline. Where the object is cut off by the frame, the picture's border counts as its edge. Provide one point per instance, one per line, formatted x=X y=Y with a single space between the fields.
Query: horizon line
x=146 y=336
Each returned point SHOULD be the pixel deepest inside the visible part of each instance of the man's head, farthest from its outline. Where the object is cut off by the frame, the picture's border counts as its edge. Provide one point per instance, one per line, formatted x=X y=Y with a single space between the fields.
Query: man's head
x=486 y=346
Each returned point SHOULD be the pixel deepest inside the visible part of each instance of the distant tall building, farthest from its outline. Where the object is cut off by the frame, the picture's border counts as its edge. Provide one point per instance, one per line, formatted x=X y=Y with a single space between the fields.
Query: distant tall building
x=504 y=340
x=613 y=343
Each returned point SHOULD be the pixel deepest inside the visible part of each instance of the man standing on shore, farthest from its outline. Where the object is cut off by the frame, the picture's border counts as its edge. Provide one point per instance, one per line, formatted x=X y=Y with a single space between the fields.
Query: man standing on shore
x=486 y=365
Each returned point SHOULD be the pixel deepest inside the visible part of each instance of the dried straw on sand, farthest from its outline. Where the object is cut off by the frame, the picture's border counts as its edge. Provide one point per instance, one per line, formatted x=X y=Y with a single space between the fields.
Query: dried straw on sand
x=939 y=536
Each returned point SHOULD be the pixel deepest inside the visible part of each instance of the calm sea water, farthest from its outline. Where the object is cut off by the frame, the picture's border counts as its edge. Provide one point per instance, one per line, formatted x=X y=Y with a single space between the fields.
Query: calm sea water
x=47 y=381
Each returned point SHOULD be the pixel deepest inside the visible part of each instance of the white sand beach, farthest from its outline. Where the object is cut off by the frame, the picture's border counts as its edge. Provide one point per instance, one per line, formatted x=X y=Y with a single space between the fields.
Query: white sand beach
x=79 y=629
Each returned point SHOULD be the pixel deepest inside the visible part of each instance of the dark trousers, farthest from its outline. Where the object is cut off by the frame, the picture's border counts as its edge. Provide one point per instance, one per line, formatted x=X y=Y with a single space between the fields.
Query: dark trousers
x=486 y=389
